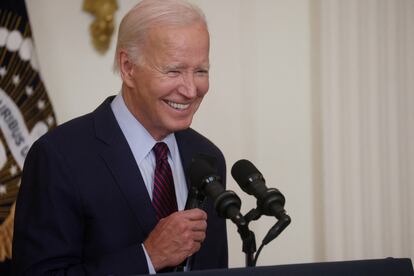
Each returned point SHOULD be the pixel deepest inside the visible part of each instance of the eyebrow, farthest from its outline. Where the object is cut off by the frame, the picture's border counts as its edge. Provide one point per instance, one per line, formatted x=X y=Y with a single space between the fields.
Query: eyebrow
x=174 y=67
x=182 y=66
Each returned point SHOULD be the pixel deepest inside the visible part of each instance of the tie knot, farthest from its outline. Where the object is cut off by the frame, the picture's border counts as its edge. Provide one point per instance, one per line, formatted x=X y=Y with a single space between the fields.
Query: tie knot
x=161 y=151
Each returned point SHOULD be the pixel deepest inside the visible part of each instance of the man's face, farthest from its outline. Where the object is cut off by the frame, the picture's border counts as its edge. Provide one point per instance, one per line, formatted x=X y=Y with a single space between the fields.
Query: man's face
x=166 y=90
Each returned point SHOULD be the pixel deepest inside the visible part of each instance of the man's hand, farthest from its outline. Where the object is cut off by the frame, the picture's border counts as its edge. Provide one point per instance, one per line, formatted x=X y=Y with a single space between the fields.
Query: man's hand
x=176 y=237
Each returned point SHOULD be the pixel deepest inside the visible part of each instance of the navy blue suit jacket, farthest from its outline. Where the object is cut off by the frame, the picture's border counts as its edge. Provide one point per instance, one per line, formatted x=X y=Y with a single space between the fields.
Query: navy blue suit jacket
x=83 y=207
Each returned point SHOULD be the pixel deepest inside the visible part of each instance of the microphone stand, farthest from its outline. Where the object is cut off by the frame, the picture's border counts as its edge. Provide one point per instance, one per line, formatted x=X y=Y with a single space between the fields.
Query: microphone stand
x=248 y=236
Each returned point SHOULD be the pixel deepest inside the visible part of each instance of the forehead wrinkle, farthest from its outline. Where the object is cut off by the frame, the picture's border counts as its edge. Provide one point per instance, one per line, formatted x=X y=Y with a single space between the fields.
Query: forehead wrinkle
x=164 y=49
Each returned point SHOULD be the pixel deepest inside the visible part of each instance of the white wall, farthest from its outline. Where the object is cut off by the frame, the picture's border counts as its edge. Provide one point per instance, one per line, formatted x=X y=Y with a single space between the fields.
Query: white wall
x=367 y=65
x=258 y=106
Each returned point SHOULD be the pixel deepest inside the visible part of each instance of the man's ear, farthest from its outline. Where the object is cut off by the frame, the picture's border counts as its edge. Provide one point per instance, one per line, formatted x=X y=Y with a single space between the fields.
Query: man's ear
x=126 y=68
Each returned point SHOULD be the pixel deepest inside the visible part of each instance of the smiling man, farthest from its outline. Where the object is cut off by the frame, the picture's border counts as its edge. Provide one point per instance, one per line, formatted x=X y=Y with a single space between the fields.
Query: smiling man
x=105 y=193
x=165 y=87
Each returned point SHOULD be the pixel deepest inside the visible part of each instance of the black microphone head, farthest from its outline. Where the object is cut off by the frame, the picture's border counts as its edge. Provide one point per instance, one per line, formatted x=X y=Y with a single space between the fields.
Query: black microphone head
x=269 y=201
x=200 y=169
x=242 y=171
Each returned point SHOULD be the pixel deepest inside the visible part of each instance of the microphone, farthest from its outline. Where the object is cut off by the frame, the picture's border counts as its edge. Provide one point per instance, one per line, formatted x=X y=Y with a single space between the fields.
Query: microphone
x=204 y=176
x=195 y=198
x=270 y=201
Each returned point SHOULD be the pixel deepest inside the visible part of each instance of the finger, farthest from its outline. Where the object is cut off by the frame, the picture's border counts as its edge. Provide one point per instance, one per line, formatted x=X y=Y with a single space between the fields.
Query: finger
x=199 y=236
x=194 y=214
x=200 y=225
x=196 y=247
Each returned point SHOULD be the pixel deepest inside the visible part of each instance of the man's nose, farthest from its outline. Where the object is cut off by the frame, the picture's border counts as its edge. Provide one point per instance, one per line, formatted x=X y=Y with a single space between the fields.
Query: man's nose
x=188 y=87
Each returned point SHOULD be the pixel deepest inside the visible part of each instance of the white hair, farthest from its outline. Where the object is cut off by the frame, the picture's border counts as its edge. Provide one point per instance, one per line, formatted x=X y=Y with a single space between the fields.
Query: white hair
x=140 y=19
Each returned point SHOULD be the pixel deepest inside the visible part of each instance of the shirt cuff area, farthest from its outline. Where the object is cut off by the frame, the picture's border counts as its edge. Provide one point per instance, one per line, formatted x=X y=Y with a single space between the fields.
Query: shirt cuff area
x=151 y=269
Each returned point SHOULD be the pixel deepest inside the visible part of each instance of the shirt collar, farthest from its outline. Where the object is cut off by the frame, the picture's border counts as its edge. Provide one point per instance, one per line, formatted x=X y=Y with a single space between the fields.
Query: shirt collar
x=138 y=138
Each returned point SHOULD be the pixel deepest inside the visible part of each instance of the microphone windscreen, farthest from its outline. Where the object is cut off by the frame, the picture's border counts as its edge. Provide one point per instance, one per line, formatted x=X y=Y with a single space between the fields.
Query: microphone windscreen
x=242 y=170
x=199 y=170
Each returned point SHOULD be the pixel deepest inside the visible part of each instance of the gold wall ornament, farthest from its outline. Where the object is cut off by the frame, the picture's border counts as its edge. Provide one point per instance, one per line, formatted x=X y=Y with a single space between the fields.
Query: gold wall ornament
x=102 y=27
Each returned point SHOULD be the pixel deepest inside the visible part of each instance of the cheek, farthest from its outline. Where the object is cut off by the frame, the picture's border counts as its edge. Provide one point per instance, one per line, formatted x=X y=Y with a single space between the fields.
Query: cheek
x=165 y=86
x=202 y=87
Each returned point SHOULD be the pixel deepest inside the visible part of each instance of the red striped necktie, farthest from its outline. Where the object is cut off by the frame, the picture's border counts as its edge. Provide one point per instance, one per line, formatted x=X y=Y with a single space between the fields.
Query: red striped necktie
x=163 y=194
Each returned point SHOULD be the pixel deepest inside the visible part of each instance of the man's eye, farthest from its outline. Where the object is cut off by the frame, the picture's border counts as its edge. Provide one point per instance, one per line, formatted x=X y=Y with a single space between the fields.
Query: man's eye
x=202 y=72
x=173 y=73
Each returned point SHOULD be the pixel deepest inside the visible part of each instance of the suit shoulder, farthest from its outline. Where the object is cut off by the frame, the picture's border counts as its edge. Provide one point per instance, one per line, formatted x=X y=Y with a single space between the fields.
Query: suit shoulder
x=71 y=130
x=193 y=143
x=82 y=129
x=200 y=141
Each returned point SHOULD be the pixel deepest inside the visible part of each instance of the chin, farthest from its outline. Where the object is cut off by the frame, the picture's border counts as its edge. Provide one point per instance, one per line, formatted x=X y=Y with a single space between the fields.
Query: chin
x=180 y=126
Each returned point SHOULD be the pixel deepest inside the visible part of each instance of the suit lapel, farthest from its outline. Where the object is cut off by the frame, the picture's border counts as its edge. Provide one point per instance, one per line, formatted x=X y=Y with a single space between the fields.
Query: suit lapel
x=189 y=146
x=120 y=161
x=187 y=151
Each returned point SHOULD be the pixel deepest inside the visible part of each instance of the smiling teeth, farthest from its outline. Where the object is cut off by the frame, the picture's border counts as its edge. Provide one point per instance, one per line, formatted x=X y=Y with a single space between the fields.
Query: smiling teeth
x=178 y=106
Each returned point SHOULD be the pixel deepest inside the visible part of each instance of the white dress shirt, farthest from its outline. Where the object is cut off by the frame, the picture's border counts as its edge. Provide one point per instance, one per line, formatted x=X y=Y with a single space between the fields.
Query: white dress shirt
x=141 y=144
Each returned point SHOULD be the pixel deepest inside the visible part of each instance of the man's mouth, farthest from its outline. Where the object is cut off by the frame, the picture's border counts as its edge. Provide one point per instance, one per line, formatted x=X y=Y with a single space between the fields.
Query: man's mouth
x=177 y=106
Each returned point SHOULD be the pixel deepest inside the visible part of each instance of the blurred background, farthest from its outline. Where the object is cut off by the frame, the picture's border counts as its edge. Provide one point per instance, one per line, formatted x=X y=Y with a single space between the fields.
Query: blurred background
x=318 y=94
